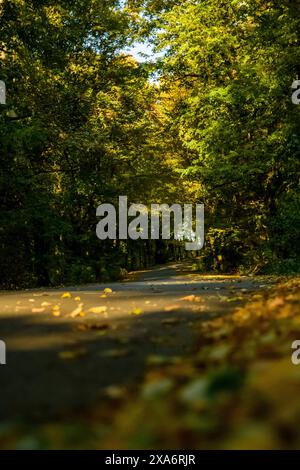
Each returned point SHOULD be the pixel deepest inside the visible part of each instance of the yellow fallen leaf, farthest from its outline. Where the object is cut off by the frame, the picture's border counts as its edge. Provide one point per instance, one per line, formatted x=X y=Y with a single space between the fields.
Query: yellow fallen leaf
x=45 y=304
x=66 y=295
x=37 y=310
x=77 y=311
x=77 y=299
x=192 y=298
x=56 y=311
x=171 y=308
x=98 y=309
x=107 y=290
x=103 y=296
x=137 y=311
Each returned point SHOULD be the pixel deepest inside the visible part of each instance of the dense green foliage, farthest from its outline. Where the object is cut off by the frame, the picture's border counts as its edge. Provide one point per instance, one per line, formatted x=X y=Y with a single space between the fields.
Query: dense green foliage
x=234 y=63
x=84 y=124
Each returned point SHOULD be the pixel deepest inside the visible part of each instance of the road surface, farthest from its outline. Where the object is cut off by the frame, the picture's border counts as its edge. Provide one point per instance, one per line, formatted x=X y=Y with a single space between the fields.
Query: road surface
x=60 y=362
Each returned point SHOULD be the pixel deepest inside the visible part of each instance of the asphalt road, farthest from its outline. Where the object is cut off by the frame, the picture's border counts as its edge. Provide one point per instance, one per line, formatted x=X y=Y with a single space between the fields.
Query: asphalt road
x=63 y=352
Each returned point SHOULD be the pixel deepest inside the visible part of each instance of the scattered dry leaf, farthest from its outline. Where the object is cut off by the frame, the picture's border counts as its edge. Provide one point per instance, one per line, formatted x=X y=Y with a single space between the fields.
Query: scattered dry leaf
x=137 y=311
x=108 y=290
x=66 y=295
x=56 y=311
x=78 y=311
x=171 y=308
x=192 y=298
x=98 y=309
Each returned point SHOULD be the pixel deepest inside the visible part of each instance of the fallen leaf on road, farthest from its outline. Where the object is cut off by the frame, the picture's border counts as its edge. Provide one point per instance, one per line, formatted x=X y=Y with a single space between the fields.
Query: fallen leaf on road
x=77 y=299
x=78 y=311
x=137 y=311
x=97 y=309
x=56 y=311
x=66 y=295
x=199 y=308
x=45 y=304
x=171 y=308
x=192 y=298
x=37 y=310
x=107 y=290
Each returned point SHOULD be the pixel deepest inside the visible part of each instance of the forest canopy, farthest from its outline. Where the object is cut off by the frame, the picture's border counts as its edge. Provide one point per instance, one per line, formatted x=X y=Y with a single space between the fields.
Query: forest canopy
x=208 y=120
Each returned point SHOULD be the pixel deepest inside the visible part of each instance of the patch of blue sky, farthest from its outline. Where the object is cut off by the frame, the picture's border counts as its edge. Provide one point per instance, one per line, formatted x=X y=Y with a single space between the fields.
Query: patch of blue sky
x=143 y=52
